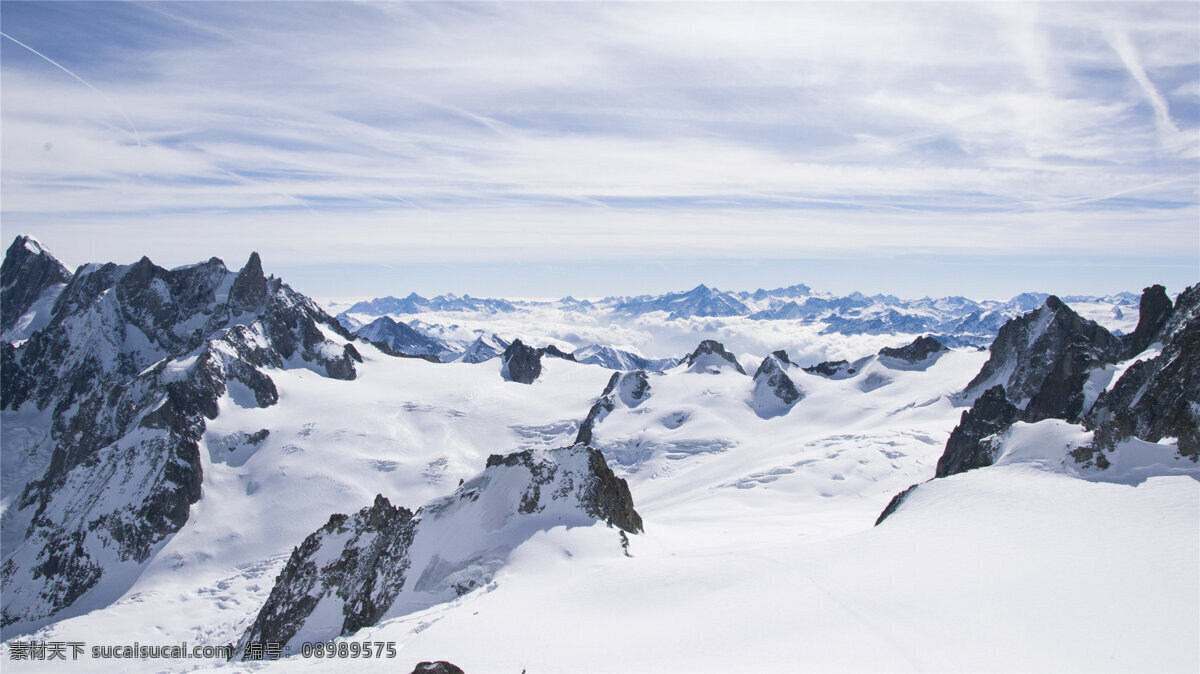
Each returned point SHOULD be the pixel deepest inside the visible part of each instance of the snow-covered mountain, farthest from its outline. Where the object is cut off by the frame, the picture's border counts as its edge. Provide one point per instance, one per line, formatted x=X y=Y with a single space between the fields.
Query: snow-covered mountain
x=402 y=338
x=1061 y=390
x=204 y=456
x=123 y=377
x=648 y=331
x=354 y=572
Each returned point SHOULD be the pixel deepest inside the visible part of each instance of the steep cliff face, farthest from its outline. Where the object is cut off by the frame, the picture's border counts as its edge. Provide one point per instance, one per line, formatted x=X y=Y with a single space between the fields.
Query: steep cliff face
x=354 y=570
x=129 y=366
x=357 y=562
x=1159 y=397
x=521 y=363
x=1140 y=388
x=31 y=279
x=965 y=449
x=1043 y=359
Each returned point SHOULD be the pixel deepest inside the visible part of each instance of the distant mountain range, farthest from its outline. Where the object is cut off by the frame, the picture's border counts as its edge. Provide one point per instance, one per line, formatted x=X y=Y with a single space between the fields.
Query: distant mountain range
x=207 y=455
x=953 y=320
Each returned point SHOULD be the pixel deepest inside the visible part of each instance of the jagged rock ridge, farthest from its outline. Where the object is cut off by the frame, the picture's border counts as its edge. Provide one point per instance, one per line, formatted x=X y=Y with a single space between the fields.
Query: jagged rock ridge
x=711 y=357
x=521 y=363
x=920 y=349
x=362 y=565
x=130 y=365
x=1054 y=361
x=774 y=391
x=1042 y=359
x=29 y=275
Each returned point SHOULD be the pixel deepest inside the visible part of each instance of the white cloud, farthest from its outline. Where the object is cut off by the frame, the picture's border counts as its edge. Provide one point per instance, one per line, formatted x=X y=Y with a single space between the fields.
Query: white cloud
x=544 y=130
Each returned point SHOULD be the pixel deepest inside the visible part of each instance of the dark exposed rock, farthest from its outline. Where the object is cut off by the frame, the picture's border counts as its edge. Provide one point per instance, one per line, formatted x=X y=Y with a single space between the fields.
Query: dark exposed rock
x=28 y=271
x=774 y=391
x=1043 y=358
x=1153 y=313
x=521 y=363
x=920 y=349
x=631 y=388
x=249 y=289
x=556 y=352
x=365 y=577
x=708 y=357
x=131 y=364
x=830 y=368
x=895 y=503
x=439 y=667
x=369 y=557
x=1157 y=398
x=992 y=413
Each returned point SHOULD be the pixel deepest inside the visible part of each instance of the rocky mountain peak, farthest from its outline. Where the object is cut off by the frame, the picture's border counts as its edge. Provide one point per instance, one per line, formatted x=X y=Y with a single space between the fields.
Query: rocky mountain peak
x=129 y=367
x=360 y=566
x=1154 y=311
x=774 y=391
x=710 y=356
x=28 y=272
x=1156 y=398
x=1042 y=358
x=630 y=388
x=249 y=289
x=521 y=363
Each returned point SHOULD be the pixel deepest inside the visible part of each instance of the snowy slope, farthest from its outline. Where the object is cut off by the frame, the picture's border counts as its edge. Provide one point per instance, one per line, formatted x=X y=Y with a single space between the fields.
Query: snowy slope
x=758 y=553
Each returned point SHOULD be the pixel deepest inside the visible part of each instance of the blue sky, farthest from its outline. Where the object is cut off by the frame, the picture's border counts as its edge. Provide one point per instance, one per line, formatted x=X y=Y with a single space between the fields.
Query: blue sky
x=544 y=149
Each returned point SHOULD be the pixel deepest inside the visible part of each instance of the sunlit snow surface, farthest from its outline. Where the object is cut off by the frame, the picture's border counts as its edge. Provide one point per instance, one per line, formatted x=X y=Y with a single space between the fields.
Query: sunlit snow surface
x=759 y=552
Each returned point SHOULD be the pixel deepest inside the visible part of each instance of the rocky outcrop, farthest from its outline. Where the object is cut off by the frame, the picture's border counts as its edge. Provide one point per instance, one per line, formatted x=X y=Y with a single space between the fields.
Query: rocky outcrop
x=895 y=503
x=831 y=368
x=920 y=349
x=555 y=352
x=363 y=579
x=711 y=357
x=521 y=363
x=130 y=366
x=1154 y=311
x=359 y=567
x=1053 y=357
x=1157 y=398
x=774 y=391
x=992 y=413
x=1042 y=360
x=601 y=495
x=629 y=388
x=28 y=274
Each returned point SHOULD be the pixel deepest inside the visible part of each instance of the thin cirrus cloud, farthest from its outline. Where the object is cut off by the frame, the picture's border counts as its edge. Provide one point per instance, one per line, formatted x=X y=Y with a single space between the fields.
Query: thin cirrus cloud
x=558 y=131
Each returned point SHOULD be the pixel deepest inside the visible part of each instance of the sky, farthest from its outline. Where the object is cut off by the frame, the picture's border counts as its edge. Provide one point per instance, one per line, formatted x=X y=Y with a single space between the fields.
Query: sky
x=545 y=149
